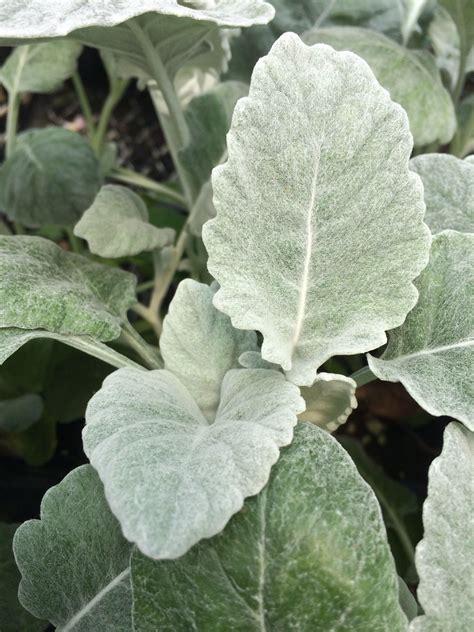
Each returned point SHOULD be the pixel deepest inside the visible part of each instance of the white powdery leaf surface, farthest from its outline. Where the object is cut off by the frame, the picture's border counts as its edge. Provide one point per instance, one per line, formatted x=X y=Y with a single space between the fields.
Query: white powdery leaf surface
x=445 y=556
x=24 y=19
x=329 y=401
x=170 y=477
x=319 y=230
x=199 y=344
x=449 y=191
x=432 y=353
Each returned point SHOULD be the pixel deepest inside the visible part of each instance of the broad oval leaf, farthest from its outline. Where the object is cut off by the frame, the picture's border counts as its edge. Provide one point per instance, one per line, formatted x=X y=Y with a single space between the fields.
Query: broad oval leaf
x=329 y=401
x=116 y=225
x=319 y=228
x=444 y=558
x=411 y=77
x=431 y=354
x=40 y=67
x=13 y=617
x=449 y=191
x=34 y=19
x=44 y=287
x=199 y=344
x=74 y=562
x=172 y=478
x=309 y=553
x=51 y=177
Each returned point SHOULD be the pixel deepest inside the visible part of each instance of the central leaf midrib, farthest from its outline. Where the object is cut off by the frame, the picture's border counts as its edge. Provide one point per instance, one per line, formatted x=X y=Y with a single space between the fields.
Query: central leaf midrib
x=304 y=285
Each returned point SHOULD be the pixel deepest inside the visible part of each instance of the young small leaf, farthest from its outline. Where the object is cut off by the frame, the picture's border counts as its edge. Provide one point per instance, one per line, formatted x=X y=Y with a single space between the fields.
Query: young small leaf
x=13 y=617
x=329 y=401
x=319 y=229
x=449 y=191
x=199 y=344
x=40 y=67
x=116 y=225
x=172 y=478
x=444 y=558
x=74 y=562
x=309 y=553
x=411 y=77
x=431 y=354
x=44 y=287
x=51 y=177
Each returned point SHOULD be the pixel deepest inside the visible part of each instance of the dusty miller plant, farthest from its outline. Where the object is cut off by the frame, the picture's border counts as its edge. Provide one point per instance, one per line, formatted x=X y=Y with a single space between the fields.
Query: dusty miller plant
x=216 y=497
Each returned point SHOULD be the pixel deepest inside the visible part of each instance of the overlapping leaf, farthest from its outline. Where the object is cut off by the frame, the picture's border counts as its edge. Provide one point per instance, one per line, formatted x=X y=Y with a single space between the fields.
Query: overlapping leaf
x=432 y=352
x=411 y=77
x=39 y=67
x=309 y=553
x=51 y=177
x=172 y=478
x=116 y=225
x=444 y=558
x=319 y=227
x=74 y=562
x=44 y=287
x=199 y=344
x=448 y=190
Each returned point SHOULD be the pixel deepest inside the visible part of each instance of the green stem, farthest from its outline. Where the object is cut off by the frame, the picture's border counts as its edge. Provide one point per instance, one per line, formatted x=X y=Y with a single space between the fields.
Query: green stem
x=143 y=287
x=159 y=74
x=458 y=90
x=127 y=176
x=143 y=349
x=363 y=376
x=101 y=351
x=398 y=526
x=14 y=100
x=74 y=242
x=85 y=104
x=115 y=95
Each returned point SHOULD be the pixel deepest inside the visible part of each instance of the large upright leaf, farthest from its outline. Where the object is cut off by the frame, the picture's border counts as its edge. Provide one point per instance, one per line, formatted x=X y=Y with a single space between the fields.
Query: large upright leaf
x=117 y=225
x=74 y=561
x=172 y=478
x=319 y=228
x=44 y=287
x=449 y=191
x=445 y=556
x=411 y=77
x=39 y=67
x=51 y=177
x=462 y=12
x=34 y=19
x=309 y=553
x=199 y=344
x=13 y=617
x=431 y=354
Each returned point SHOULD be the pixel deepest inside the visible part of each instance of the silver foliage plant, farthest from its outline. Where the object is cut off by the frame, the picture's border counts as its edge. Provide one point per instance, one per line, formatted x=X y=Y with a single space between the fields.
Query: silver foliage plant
x=216 y=498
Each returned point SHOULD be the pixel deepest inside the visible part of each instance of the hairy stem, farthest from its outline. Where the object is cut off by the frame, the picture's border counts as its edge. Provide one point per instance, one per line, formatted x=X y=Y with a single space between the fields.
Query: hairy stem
x=127 y=176
x=142 y=348
x=363 y=376
x=116 y=93
x=85 y=104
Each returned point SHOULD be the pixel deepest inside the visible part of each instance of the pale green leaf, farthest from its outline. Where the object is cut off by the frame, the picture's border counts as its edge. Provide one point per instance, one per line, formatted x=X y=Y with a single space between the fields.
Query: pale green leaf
x=51 y=177
x=172 y=478
x=203 y=209
x=44 y=287
x=462 y=12
x=329 y=401
x=445 y=556
x=411 y=77
x=431 y=354
x=309 y=553
x=444 y=38
x=40 y=67
x=199 y=344
x=254 y=360
x=74 y=562
x=319 y=228
x=20 y=413
x=448 y=190
x=117 y=225
x=407 y=601
x=33 y=18
x=13 y=617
